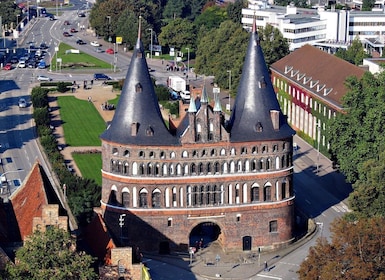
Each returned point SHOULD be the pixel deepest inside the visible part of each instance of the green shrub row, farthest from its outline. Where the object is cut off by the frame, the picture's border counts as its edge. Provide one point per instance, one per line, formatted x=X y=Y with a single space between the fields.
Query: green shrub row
x=82 y=194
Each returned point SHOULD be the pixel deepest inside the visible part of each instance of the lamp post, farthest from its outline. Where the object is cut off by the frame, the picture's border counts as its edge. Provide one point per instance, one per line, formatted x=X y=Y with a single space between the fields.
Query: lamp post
x=188 y=60
x=151 y=44
x=319 y=140
x=121 y=224
x=17 y=31
x=109 y=29
x=57 y=12
x=229 y=71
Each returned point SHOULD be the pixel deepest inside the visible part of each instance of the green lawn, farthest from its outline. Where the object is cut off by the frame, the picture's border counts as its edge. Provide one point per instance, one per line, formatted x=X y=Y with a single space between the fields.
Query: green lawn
x=76 y=60
x=90 y=166
x=82 y=123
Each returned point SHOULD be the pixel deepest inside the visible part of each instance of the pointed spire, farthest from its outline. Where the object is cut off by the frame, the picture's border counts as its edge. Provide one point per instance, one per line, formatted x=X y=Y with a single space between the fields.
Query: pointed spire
x=138 y=119
x=192 y=108
x=204 y=98
x=140 y=28
x=217 y=105
x=256 y=100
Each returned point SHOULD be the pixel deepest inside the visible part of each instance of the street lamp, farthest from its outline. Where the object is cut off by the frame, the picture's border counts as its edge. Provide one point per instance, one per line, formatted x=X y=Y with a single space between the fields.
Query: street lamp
x=151 y=43
x=229 y=71
x=319 y=140
x=188 y=60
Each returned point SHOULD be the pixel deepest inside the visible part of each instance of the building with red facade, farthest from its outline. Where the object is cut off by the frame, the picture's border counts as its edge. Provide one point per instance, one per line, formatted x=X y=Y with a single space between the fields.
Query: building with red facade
x=164 y=188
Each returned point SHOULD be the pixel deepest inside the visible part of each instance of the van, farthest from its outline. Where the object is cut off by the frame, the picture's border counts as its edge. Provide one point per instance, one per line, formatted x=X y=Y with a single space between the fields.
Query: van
x=185 y=94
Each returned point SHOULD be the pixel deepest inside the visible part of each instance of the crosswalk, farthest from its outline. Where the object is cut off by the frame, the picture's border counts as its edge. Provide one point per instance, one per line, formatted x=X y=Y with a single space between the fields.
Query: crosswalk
x=341 y=208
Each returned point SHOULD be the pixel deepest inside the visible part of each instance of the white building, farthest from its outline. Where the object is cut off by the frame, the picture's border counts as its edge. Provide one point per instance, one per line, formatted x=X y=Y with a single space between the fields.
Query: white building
x=328 y=29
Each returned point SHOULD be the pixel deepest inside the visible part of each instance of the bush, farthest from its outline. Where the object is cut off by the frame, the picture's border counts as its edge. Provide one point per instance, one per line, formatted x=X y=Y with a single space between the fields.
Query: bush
x=62 y=87
x=162 y=93
x=39 y=97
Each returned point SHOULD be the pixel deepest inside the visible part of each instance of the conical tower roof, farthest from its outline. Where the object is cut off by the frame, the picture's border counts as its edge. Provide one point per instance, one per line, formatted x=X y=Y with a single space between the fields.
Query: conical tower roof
x=137 y=119
x=256 y=102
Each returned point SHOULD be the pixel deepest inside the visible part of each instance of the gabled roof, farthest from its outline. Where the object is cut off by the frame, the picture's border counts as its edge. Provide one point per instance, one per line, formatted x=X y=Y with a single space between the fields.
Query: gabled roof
x=309 y=64
x=256 y=101
x=137 y=119
x=28 y=199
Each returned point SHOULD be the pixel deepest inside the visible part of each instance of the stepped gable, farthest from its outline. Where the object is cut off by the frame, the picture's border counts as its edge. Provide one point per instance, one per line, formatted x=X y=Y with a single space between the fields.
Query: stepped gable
x=256 y=114
x=137 y=119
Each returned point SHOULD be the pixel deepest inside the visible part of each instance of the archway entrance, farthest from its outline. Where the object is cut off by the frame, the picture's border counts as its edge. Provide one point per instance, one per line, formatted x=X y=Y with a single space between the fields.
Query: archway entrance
x=203 y=234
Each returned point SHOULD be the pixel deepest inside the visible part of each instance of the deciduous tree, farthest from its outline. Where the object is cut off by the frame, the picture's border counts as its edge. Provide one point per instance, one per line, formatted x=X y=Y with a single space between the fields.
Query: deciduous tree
x=356 y=252
x=51 y=255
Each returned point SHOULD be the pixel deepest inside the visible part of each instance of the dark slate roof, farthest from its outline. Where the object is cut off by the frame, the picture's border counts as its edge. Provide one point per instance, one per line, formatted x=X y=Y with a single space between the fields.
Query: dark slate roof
x=138 y=106
x=253 y=103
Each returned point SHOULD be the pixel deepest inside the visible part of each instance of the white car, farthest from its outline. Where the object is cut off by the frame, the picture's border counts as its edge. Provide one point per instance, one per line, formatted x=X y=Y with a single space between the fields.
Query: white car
x=43 y=78
x=21 y=64
x=22 y=103
x=185 y=95
x=95 y=44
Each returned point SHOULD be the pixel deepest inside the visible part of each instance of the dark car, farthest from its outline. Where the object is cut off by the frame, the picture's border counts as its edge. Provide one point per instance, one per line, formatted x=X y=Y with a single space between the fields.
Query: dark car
x=43 y=46
x=14 y=59
x=66 y=34
x=101 y=76
x=80 y=42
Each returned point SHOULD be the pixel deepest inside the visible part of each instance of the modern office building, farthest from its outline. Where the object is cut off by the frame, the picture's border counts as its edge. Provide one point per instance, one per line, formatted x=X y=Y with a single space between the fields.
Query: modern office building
x=167 y=188
x=327 y=29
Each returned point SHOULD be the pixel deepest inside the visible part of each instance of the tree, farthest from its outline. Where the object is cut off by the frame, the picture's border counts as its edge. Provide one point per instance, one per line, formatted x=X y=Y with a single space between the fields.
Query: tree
x=211 y=17
x=357 y=136
x=51 y=255
x=354 y=54
x=224 y=49
x=178 y=33
x=355 y=252
x=234 y=10
x=8 y=12
x=273 y=44
x=367 y=5
x=368 y=197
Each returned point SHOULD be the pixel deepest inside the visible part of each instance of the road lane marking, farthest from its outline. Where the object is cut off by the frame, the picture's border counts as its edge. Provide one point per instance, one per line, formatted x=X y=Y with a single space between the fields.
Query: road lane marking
x=271 y=277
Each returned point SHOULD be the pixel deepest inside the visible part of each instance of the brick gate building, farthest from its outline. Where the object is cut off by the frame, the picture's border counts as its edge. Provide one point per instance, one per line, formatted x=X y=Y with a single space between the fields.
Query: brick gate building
x=161 y=184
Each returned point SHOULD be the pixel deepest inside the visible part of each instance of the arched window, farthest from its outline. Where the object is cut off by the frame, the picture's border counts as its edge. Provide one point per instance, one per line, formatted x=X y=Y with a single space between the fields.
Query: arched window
x=115 y=151
x=268 y=164
x=224 y=168
x=260 y=164
x=185 y=169
x=193 y=169
x=239 y=166
x=208 y=196
x=223 y=152
x=141 y=169
x=264 y=149
x=255 y=193
x=149 y=169
x=184 y=154
x=275 y=148
x=134 y=168
x=126 y=153
x=232 y=167
x=254 y=150
x=126 y=197
x=162 y=155
x=201 y=195
x=125 y=168
x=213 y=152
x=253 y=165
x=152 y=154
x=189 y=196
x=208 y=168
x=283 y=189
x=143 y=198
x=200 y=168
x=243 y=151
x=178 y=169
x=141 y=154
x=283 y=161
x=155 y=198
x=174 y=201
x=232 y=152
x=216 y=168
x=267 y=193
x=277 y=163
x=195 y=196
x=172 y=155
x=217 y=195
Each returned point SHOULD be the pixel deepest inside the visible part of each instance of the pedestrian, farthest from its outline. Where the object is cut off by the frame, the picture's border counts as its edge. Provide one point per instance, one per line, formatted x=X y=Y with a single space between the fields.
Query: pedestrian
x=92 y=82
x=266 y=268
x=89 y=99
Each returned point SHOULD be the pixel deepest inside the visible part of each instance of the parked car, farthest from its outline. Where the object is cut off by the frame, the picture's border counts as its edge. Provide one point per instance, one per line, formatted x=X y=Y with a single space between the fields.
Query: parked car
x=66 y=34
x=73 y=30
x=95 y=44
x=101 y=76
x=110 y=51
x=80 y=42
x=8 y=66
x=22 y=64
x=51 y=17
x=42 y=78
x=81 y=14
x=99 y=50
x=67 y=22
x=22 y=103
x=14 y=59
x=43 y=46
